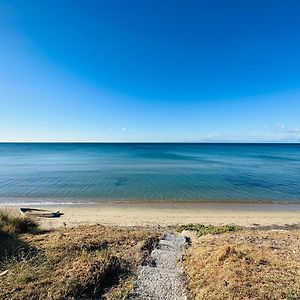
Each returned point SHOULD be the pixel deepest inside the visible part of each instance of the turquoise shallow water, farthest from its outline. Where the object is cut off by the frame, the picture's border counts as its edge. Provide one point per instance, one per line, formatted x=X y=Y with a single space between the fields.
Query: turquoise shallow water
x=91 y=173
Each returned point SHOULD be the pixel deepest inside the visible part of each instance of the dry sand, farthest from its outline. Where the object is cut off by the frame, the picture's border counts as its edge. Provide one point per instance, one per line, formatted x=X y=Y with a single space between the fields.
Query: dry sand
x=162 y=214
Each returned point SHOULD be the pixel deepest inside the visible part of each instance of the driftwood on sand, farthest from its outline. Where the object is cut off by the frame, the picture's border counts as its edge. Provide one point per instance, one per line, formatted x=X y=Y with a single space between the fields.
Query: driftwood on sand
x=35 y=212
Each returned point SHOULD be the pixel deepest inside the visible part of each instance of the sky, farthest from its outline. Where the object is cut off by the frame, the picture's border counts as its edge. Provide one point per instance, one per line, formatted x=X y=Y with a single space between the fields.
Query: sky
x=159 y=70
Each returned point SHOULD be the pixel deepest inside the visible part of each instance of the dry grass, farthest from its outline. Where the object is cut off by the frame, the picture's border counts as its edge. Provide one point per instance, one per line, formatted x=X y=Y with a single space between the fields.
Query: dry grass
x=11 y=224
x=87 y=262
x=245 y=265
x=97 y=262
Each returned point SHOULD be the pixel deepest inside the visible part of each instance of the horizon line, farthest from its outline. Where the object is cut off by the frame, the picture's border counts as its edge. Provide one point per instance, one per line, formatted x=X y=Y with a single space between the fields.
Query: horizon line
x=149 y=142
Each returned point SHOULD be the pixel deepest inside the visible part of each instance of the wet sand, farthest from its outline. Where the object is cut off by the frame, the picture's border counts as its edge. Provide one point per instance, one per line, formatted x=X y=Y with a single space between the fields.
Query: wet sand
x=171 y=213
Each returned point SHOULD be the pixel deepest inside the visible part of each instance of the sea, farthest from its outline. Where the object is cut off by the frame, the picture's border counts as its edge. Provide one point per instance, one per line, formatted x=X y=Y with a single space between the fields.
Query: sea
x=87 y=173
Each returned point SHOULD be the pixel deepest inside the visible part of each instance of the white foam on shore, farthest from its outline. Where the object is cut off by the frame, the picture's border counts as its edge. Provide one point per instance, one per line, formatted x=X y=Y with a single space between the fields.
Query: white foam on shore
x=39 y=202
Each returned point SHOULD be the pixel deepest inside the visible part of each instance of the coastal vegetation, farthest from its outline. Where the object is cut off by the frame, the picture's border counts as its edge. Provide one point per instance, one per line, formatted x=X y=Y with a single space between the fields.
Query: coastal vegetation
x=247 y=264
x=11 y=223
x=100 y=262
x=85 y=262
x=201 y=229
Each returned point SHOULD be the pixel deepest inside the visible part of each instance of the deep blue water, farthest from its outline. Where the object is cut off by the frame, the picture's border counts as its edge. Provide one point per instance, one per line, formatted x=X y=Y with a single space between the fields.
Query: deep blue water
x=76 y=173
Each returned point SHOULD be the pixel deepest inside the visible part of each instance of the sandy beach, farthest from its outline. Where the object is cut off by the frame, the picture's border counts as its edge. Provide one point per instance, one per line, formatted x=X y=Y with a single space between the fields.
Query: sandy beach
x=162 y=214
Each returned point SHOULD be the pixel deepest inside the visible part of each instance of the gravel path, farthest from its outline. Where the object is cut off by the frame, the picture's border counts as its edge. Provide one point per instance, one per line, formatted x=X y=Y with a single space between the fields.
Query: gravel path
x=162 y=280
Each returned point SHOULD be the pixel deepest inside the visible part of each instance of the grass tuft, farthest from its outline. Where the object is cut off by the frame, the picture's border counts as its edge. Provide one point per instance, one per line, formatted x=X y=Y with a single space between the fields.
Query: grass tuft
x=13 y=224
x=12 y=247
x=207 y=229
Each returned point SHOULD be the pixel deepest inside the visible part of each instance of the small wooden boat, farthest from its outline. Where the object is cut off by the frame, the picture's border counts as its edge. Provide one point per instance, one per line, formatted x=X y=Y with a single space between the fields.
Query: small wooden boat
x=43 y=213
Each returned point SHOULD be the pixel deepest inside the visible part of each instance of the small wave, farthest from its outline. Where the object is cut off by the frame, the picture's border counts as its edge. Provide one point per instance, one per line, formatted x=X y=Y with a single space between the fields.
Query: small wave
x=40 y=202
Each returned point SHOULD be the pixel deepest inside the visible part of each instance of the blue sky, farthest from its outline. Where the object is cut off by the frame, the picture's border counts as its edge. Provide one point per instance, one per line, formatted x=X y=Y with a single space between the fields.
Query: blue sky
x=178 y=71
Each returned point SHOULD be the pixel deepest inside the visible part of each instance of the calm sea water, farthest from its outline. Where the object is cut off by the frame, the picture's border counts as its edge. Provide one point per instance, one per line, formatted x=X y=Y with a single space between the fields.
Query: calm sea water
x=79 y=173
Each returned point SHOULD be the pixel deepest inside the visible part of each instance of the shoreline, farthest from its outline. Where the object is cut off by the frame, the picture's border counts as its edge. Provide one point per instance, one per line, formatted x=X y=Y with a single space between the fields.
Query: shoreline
x=171 y=213
x=44 y=201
